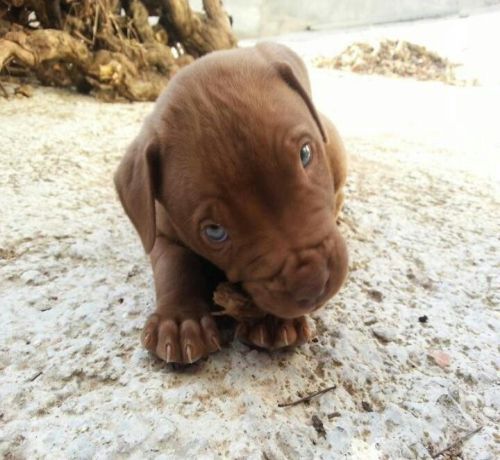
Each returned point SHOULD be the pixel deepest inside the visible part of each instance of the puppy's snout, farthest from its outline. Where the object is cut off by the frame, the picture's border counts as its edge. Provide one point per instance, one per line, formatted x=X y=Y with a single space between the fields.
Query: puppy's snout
x=306 y=279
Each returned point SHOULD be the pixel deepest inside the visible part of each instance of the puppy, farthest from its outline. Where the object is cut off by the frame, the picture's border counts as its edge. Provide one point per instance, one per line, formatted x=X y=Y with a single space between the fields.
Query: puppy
x=236 y=173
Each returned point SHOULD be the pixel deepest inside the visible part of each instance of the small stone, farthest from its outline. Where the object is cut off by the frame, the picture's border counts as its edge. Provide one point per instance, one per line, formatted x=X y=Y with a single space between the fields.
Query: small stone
x=370 y=321
x=367 y=407
x=318 y=426
x=376 y=295
x=440 y=358
x=384 y=334
x=423 y=319
x=489 y=412
x=32 y=277
x=414 y=357
x=471 y=401
x=165 y=430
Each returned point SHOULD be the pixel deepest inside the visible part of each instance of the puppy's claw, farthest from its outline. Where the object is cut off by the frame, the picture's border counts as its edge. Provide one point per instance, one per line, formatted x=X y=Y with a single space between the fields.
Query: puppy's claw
x=261 y=336
x=146 y=339
x=275 y=334
x=182 y=342
x=168 y=353
x=216 y=343
x=189 y=353
x=284 y=337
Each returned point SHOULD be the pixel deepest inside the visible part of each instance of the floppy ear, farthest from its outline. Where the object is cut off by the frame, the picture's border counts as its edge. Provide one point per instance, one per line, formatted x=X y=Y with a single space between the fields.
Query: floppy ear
x=294 y=73
x=136 y=187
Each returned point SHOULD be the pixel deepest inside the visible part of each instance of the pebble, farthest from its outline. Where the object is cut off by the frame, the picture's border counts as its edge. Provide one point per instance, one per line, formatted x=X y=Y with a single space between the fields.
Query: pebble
x=440 y=358
x=490 y=413
x=384 y=334
x=32 y=277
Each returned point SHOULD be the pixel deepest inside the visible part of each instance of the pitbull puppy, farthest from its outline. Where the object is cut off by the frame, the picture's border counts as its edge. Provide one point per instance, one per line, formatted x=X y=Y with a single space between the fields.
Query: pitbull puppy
x=235 y=171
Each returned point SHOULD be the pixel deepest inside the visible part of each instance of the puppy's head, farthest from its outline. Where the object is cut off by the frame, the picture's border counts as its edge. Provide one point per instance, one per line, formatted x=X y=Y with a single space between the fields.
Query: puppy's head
x=235 y=153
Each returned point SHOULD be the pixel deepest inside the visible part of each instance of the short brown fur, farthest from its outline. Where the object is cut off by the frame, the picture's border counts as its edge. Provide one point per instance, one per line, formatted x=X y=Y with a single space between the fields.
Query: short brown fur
x=222 y=146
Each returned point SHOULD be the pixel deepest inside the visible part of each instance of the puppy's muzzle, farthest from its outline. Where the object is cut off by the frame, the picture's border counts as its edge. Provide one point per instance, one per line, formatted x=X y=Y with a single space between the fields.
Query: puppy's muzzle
x=305 y=277
x=305 y=280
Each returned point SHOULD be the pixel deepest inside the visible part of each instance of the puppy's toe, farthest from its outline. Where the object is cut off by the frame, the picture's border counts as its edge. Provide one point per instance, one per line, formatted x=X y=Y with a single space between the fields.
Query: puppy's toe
x=168 y=347
x=260 y=336
x=210 y=334
x=304 y=331
x=149 y=336
x=192 y=343
x=272 y=333
x=286 y=335
x=180 y=341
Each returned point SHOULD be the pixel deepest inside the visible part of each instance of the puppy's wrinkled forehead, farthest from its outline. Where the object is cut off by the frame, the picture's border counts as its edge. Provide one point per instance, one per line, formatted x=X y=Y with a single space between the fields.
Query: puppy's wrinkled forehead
x=236 y=126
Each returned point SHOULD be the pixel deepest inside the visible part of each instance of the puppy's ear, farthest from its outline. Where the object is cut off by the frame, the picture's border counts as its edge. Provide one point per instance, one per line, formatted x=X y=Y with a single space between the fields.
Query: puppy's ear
x=288 y=75
x=292 y=70
x=135 y=182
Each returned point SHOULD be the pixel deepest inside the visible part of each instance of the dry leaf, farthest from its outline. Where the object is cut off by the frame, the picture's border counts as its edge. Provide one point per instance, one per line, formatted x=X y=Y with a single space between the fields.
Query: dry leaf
x=235 y=303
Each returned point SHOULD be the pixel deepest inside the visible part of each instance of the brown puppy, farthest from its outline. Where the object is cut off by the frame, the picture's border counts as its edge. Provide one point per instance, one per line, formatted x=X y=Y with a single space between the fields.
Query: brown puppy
x=235 y=170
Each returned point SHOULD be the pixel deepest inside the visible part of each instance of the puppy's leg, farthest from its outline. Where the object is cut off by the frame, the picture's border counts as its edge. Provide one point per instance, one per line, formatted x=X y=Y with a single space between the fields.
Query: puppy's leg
x=337 y=158
x=272 y=333
x=181 y=330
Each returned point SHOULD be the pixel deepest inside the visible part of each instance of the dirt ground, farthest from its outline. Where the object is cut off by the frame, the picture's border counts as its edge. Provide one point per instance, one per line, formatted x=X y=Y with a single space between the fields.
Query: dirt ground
x=421 y=221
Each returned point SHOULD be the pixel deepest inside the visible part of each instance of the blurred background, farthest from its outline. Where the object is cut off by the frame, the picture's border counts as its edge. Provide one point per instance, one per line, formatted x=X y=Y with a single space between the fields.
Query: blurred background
x=258 y=18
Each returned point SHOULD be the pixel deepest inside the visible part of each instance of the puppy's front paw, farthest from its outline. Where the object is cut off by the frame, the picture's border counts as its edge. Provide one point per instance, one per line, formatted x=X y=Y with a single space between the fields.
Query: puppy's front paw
x=273 y=333
x=184 y=341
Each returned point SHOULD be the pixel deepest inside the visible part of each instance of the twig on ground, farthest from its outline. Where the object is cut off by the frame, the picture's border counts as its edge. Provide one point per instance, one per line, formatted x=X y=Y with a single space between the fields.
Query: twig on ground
x=460 y=440
x=38 y=374
x=307 y=398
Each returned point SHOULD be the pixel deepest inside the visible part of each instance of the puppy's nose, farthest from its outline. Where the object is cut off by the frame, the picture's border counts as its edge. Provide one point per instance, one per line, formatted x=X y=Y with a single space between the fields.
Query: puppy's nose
x=306 y=280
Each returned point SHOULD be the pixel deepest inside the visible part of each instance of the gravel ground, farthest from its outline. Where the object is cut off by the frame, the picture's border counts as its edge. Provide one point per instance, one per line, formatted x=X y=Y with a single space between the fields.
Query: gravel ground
x=421 y=221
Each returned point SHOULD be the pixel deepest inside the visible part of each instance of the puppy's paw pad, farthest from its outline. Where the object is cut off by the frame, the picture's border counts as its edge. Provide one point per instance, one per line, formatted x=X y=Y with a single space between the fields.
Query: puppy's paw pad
x=180 y=341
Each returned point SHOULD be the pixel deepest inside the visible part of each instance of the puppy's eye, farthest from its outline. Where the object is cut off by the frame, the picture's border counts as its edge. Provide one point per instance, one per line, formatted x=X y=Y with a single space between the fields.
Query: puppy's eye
x=305 y=154
x=215 y=233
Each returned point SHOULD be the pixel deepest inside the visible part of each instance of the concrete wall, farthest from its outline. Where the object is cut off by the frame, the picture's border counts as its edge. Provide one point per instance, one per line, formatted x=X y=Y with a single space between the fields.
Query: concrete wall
x=253 y=18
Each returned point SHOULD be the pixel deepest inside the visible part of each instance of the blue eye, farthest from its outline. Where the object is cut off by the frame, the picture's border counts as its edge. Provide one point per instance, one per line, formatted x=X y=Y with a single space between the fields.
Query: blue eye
x=215 y=233
x=305 y=154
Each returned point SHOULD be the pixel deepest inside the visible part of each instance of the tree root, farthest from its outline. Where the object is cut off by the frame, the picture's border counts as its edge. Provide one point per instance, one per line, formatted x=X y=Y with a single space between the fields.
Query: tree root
x=109 y=47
